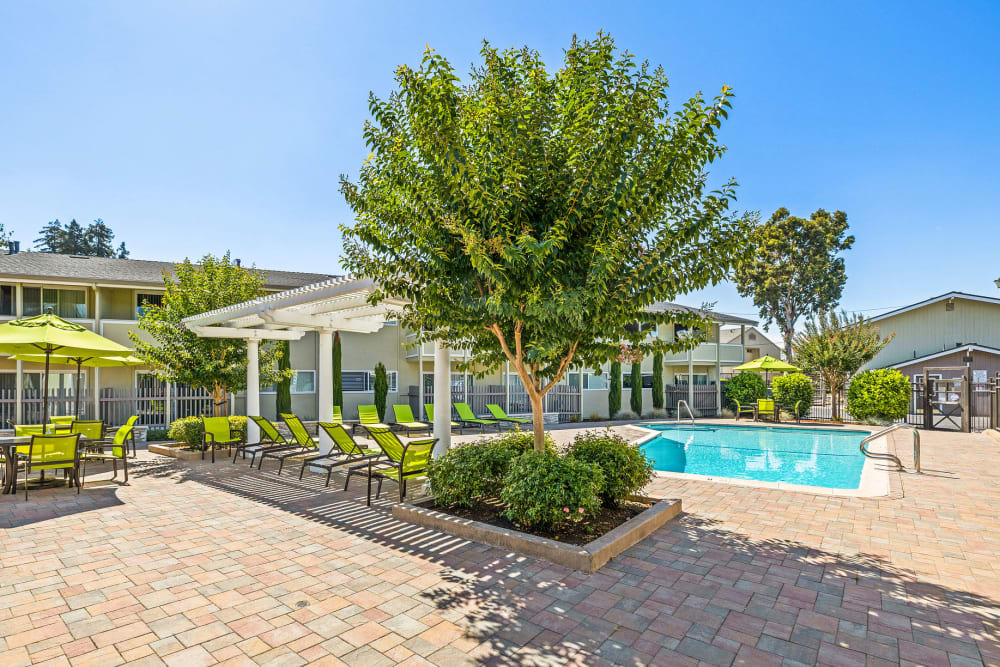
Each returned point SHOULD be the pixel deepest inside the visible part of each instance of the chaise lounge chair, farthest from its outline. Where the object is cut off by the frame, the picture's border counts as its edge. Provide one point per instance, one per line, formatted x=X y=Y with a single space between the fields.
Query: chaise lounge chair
x=405 y=420
x=367 y=416
x=499 y=414
x=429 y=409
x=467 y=416
x=403 y=460
x=270 y=441
x=304 y=443
x=345 y=452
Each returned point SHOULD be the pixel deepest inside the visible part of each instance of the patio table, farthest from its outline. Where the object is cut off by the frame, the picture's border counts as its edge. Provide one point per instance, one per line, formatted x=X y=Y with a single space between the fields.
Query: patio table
x=9 y=446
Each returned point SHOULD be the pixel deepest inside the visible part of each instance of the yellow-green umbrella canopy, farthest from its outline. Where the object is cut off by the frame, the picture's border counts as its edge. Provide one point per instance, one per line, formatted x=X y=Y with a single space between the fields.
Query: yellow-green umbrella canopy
x=47 y=334
x=766 y=364
x=89 y=362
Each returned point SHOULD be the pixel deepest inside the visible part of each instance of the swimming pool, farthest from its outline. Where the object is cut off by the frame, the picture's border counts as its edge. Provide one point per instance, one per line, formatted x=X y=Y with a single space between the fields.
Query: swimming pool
x=812 y=457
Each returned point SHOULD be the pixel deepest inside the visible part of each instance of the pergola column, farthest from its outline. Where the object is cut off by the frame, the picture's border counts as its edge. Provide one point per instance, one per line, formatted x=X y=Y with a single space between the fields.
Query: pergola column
x=442 y=397
x=253 y=388
x=324 y=392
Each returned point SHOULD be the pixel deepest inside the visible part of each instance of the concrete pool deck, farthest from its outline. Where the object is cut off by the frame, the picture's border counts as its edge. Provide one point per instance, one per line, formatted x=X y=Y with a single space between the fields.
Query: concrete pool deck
x=195 y=564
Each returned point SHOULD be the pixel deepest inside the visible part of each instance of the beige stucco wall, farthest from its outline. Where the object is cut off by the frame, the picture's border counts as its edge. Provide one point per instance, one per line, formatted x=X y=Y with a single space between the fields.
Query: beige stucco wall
x=933 y=328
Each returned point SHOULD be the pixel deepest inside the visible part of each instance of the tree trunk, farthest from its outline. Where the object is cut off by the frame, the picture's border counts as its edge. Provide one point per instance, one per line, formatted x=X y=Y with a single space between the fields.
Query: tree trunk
x=218 y=400
x=789 y=335
x=537 y=419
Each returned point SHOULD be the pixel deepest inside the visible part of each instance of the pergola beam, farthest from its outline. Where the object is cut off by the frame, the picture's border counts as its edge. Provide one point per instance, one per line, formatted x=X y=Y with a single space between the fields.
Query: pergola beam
x=247 y=334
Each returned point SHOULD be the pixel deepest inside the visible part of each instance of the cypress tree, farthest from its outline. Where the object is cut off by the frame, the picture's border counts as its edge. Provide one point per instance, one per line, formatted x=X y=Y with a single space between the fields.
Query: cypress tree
x=381 y=389
x=635 y=397
x=658 y=380
x=615 y=390
x=283 y=397
x=338 y=380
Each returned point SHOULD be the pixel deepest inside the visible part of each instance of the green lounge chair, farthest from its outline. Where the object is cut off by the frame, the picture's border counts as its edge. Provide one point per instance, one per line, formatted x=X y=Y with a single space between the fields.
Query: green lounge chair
x=499 y=414
x=270 y=440
x=219 y=432
x=304 y=443
x=403 y=460
x=119 y=449
x=405 y=420
x=345 y=451
x=766 y=408
x=367 y=416
x=52 y=452
x=429 y=409
x=467 y=417
x=745 y=410
x=798 y=411
x=338 y=415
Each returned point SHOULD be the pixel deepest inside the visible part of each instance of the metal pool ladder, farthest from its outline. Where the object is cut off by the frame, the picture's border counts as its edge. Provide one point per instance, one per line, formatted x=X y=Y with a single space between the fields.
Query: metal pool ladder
x=893 y=457
x=685 y=404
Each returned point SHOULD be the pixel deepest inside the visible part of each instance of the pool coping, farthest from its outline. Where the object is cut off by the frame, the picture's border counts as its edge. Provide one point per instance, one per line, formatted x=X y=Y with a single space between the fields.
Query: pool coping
x=874 y=476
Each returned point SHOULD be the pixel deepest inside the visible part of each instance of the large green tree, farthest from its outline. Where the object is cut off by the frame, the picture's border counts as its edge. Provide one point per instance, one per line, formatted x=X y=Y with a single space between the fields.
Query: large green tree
x=795 y=270
x=835 y=347
x=94 y=240
x=176 y=354
x=532 y=215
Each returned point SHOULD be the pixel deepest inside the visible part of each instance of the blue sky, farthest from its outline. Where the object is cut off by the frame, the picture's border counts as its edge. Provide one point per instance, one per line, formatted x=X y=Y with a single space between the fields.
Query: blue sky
x=195 y=127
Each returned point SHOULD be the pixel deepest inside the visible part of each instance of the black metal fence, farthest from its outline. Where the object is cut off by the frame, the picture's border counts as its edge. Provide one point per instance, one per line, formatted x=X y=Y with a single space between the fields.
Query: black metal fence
x=562 y=400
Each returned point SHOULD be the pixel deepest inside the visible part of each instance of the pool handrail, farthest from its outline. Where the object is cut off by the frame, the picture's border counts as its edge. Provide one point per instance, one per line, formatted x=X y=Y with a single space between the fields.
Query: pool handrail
x=685 y=404
x=892 y=457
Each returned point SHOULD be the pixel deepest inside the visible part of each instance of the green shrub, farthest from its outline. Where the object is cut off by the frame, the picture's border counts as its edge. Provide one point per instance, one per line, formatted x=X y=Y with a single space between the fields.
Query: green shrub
x=789 y=389
x=878 y=395
x=615 y=390
x=635 y=386
x=657 y=381
x=544 y=489
x=625 y=467
x=381 y=390
x=190 y=430
x=283 y=393
x=156 y=434
x=478 y=470
x=746 y=388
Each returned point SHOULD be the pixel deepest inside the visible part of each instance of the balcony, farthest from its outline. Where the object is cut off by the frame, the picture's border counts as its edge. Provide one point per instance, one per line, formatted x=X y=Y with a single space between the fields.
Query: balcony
x=427 y=349
x=730 y=354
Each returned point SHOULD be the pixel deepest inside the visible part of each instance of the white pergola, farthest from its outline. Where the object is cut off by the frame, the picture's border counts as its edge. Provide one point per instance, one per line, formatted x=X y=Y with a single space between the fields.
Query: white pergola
x=338 y=304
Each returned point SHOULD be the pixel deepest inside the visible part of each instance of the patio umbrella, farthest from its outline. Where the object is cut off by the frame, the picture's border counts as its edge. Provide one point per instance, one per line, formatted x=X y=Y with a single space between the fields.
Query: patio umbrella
x=48 y=334
x=80 y=361
x=765 y=365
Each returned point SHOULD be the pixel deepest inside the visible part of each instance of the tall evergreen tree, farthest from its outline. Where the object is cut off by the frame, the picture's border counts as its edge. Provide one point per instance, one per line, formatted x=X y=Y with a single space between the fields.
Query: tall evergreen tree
x=658 y=380
x=283 y=397
x=75 y=239
x=635 y=395
x=51 y=237
x=615 y=389
x=95 y=240
x=98 y=238
x=338 y=378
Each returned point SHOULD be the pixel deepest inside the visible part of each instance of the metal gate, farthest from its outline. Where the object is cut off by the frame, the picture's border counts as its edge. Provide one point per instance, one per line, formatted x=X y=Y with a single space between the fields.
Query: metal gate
x=947 y=398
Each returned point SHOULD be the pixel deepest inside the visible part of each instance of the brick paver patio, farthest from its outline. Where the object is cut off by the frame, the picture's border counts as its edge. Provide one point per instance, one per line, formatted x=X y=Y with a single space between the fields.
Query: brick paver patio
x=194 y=564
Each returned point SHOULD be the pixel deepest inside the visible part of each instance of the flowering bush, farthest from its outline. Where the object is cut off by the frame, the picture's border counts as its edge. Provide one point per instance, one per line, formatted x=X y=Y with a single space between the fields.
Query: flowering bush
x=544 y=489
x=478 y=470
x=625 y=467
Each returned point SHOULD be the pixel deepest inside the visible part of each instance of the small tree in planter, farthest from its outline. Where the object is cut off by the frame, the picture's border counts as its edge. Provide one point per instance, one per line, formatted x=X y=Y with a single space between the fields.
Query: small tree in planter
x=615 y=390
x=530 y=216
x=381 y=389
x=881 y=395
x=635 y=395
x=791 y=389
x=658 y=381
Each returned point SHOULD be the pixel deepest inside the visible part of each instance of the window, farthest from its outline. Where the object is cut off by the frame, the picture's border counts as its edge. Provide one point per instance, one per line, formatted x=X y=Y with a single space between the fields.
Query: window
x=593 y=382
x=699 y=378
x=7 y=300
x=647 y=380
x=143 y=299
x=71 y=303
x=303 y=382
x=681 y=331
x=364 y=381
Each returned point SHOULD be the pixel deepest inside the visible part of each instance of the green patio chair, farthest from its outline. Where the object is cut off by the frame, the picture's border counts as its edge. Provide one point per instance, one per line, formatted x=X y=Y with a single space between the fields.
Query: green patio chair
x=766 y=408
x=405 y=420
x=131 y=421
x=367 y=416
x=218 y=432
x=467 y=416
x=270 y=440
x=345 y=451
x=500 y=415
x=52 y=452
x=119 y=450
x=91 y=429
x=403 y=460
x=429 y=409
x=303 y=443
x=62 y=424
x=745 y=410
x=338 y=415
x=21 y=430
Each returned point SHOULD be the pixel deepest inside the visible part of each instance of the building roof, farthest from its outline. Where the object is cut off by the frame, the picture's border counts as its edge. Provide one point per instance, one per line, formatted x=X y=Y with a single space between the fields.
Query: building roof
x=731 y=335
x=27 y=265
x=968 y=347
x=936 y=299
x=721 y=318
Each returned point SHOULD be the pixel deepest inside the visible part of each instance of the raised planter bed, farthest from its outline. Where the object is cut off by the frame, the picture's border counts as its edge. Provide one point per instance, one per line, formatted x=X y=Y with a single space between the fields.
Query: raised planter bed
x=588 y=558
x=176 y=450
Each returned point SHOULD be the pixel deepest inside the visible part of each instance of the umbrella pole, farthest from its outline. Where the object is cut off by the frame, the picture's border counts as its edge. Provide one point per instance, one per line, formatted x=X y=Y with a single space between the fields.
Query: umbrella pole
x=45 y=391
x=76 y=392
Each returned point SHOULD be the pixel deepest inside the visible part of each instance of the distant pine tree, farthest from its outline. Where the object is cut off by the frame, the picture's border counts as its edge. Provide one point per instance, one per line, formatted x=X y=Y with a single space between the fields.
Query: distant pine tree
x=122 y=252
x=75 y=239
x=98 y=238
x=95 y=240
x=52 y=237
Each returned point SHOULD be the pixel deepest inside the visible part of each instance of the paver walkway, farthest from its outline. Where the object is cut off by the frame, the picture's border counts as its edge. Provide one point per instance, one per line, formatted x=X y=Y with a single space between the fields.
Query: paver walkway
x=193 y=564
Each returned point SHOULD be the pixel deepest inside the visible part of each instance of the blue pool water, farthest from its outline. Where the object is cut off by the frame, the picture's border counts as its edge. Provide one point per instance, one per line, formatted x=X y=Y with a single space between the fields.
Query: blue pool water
x=813 y=457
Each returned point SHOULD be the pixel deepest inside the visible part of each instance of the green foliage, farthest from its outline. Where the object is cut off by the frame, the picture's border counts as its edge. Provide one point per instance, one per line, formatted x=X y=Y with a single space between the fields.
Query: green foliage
x=788 y=390
x=176 y=354
x=283 y=396
x=530 y=216
x=615 y=390
x=835 y=347
x=338 y=372
x=381 y=389
x=478 y=470
x=658 y=381
x=635 y=386
x=795 y=270
x=625 y=467
x=95 y=240
x=157 y=434
x=544 y=489
x=746 y=388
x=190 y=430
x=881 y=395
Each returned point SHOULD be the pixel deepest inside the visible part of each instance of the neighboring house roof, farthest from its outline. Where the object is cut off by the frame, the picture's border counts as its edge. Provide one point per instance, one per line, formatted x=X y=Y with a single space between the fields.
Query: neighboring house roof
x=936 y=299
x=970 y=347
x=733 y=335
x=50 y=266
x=721 y=318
